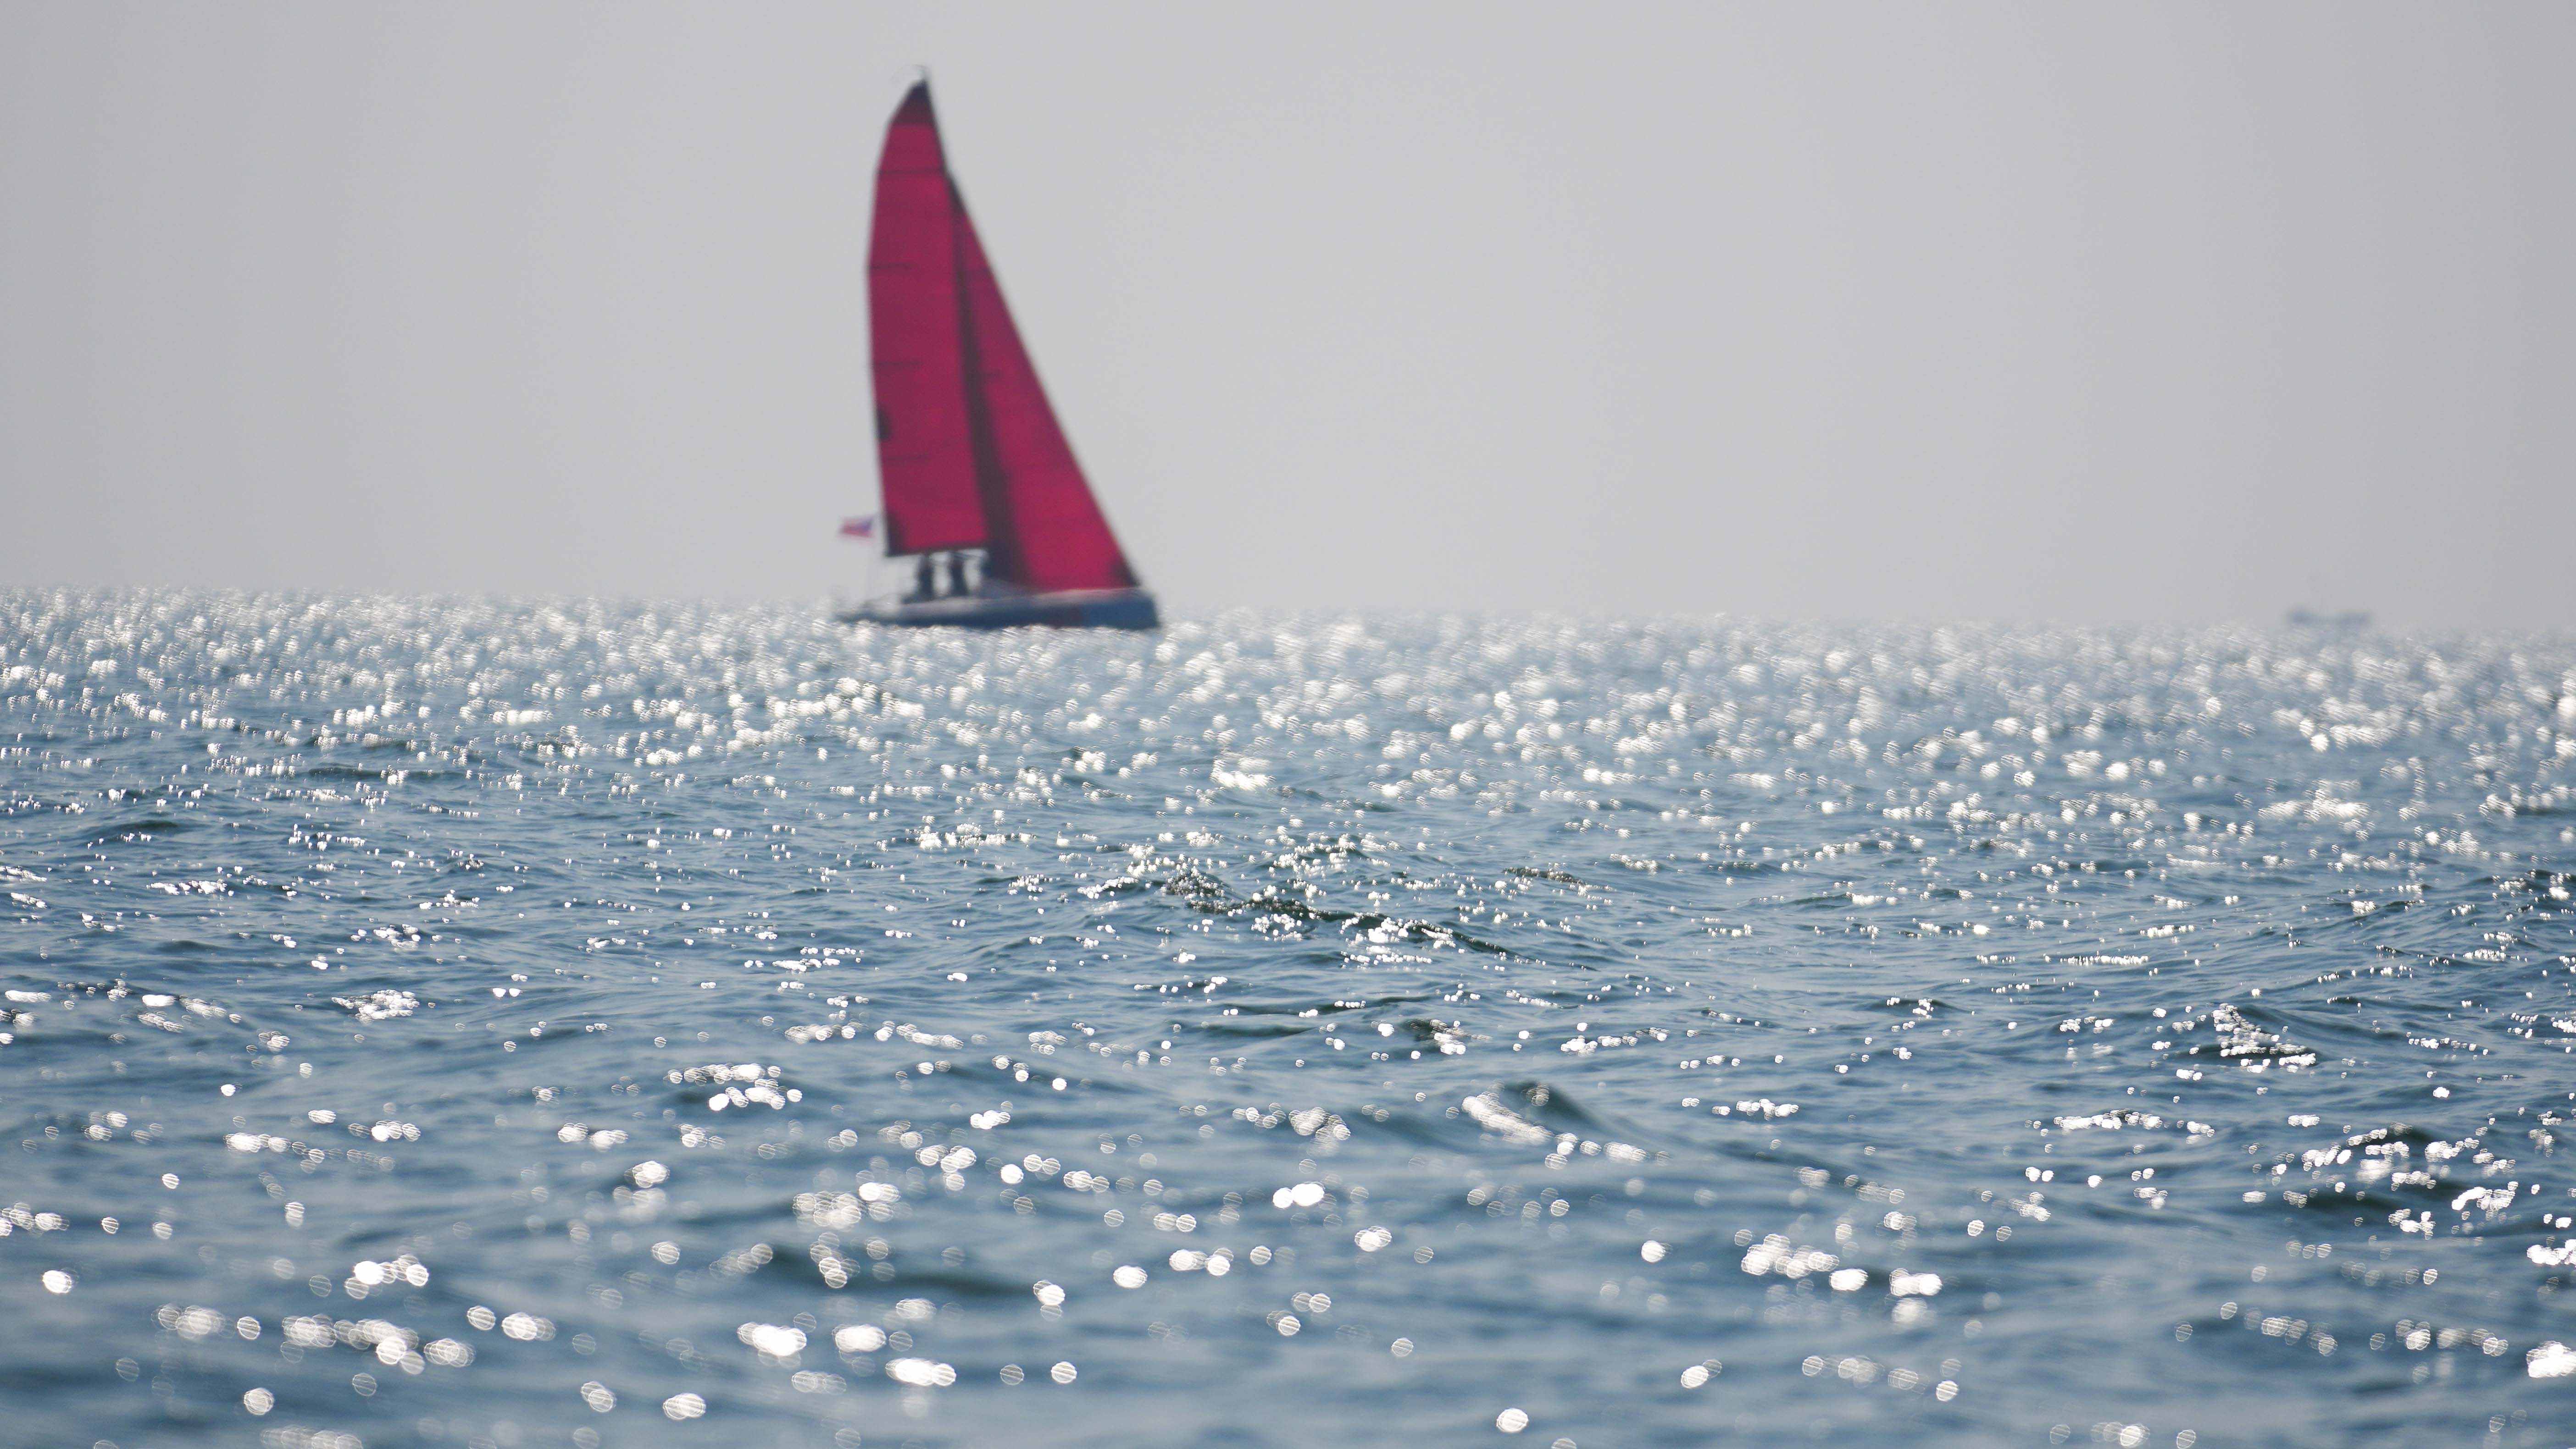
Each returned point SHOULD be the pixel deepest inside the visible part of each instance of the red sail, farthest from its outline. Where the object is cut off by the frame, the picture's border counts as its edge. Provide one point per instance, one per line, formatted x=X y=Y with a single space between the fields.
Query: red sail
x=926 y=455
x=1048 y=531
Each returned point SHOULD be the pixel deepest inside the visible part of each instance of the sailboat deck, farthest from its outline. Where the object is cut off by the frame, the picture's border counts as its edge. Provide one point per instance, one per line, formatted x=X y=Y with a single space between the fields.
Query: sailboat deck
x=1057 y=609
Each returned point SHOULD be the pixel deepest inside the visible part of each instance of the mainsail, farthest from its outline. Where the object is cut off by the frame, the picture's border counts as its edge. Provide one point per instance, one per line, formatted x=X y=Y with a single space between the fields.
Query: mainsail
x=925 y=455
x=969 y=452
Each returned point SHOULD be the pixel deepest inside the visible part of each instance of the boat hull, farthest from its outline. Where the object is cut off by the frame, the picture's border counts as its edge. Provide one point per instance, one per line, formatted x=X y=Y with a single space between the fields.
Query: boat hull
x=1063 y=609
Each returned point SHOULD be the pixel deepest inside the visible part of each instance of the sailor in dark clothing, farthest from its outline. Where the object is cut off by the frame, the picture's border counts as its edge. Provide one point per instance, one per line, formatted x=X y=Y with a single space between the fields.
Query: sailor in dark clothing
x=925 y=581
x=957 y=574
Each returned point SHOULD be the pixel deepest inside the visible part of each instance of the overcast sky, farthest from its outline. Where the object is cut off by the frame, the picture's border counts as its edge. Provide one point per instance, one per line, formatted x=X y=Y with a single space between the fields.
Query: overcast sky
x=2104 y=313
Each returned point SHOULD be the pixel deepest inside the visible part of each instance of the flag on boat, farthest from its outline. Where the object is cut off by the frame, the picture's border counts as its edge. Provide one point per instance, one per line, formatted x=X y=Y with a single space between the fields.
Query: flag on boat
x=859 y=527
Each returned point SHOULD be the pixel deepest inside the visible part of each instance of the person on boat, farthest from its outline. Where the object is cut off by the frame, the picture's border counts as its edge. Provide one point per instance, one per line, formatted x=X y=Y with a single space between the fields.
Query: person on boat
x=925 y=581
x=957 y=574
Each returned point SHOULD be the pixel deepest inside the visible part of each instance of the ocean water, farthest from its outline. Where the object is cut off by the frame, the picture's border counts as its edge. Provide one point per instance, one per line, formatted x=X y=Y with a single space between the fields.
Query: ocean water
x=456 y=1023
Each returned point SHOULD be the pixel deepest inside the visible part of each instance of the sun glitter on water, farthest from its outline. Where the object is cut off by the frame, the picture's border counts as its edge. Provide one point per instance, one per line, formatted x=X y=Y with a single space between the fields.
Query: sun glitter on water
x=459 y=1023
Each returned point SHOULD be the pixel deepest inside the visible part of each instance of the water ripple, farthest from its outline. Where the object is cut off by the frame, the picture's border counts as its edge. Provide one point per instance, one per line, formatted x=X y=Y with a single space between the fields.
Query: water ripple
x=487 y=1023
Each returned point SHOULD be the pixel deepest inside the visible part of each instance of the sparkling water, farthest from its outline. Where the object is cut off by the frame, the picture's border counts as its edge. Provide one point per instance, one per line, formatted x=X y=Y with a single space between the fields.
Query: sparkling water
x=469 y=1023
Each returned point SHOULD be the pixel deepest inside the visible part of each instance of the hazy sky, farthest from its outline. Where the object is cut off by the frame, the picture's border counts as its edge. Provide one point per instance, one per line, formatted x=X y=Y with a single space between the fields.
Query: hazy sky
x=2040 y=311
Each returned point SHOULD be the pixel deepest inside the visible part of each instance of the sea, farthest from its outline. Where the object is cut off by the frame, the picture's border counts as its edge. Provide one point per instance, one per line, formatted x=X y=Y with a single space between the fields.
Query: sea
x=493 y=1024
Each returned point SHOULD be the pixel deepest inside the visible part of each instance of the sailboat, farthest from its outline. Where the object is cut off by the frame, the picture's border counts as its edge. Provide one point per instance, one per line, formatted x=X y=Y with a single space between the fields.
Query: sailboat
x=969 y=452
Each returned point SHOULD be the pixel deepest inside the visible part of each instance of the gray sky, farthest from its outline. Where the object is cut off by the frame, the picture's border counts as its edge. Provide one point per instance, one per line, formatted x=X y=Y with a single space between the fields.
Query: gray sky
x=2187 y=312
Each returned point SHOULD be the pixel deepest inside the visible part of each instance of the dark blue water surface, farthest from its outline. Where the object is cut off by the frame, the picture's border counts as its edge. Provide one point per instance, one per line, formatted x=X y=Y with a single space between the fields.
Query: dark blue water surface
x=566 y=1024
